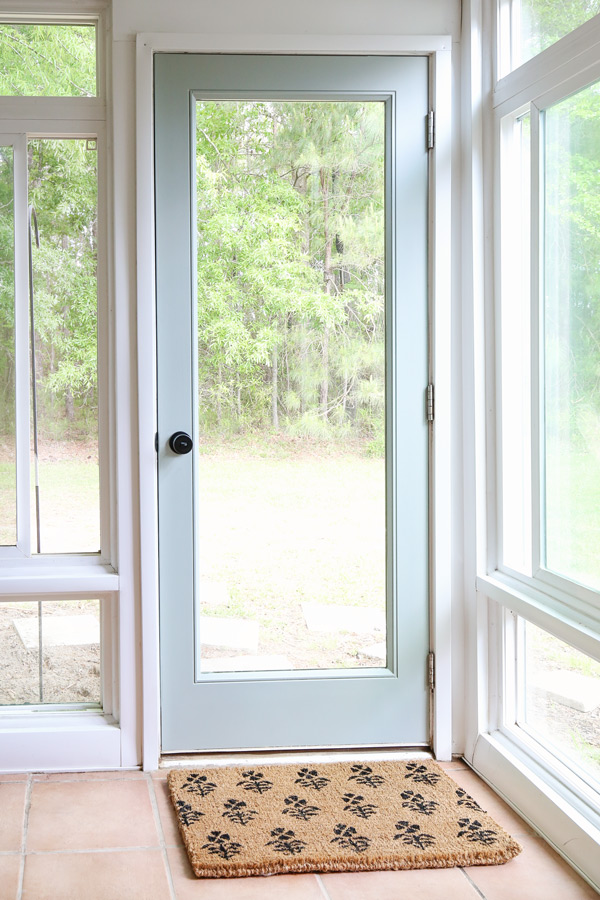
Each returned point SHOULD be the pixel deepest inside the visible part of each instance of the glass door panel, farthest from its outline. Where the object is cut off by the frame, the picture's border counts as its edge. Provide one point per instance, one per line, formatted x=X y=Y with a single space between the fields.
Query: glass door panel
x=290 y=205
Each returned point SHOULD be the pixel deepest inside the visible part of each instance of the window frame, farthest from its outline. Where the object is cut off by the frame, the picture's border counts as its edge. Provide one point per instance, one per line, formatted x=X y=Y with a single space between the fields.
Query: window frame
x=53 y=737
x=536 y=782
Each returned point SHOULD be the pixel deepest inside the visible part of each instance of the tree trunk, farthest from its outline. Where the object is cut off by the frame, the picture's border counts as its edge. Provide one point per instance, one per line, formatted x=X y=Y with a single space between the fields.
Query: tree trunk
x=327 y=276
x=69 y=404
x=219 y=383
x=274 y=390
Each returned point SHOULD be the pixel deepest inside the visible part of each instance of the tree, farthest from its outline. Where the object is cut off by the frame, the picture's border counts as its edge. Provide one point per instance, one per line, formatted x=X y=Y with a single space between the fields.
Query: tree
x=290 y=262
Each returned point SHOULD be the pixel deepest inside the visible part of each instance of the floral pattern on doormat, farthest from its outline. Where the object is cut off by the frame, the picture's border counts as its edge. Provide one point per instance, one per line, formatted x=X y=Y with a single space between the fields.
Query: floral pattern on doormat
x=334 y=817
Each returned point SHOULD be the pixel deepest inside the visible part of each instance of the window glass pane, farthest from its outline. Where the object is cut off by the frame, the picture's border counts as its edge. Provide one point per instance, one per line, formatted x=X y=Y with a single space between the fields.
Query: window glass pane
x=48 y=60
x=291 y=380
x=50 y=652
x=561 y=694
x=572 y=336
x=515 y=334
x=8 y=470
x=540 y=23
x=63 y=191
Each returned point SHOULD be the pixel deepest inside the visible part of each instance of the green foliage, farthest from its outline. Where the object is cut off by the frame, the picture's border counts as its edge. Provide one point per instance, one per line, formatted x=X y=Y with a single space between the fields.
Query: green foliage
x=545 y=21
x=290 y=265
x=63 y=191
x=7 y=296
x=48 y=60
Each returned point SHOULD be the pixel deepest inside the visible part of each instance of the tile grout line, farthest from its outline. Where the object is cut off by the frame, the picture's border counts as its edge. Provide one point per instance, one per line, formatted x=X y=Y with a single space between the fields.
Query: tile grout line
x=26 y=810
x=161 y=835
x=472 y=883
x=69 y=851
x=324 y=890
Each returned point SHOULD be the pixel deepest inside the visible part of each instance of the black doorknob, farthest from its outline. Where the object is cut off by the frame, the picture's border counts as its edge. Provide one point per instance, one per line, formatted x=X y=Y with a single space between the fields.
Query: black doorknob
x=180 y=442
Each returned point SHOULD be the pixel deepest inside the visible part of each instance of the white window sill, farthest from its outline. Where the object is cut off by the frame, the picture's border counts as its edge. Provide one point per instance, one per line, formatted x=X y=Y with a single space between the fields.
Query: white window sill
x=57 y=575
x=33 y=741
x=537 y=793
x=546 y=608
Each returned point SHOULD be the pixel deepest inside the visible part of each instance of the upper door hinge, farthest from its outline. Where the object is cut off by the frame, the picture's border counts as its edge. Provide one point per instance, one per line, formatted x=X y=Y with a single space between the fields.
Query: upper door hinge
x=430 y=403
x=431 y=671
x=430 y=129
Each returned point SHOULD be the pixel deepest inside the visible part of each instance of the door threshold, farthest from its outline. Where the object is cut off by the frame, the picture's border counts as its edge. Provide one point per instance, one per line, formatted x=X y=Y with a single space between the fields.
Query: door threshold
x=299 y=755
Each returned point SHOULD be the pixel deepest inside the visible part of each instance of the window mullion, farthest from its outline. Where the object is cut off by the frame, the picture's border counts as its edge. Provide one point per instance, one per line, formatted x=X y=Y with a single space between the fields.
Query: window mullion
x=22 y=377
x=537 y=407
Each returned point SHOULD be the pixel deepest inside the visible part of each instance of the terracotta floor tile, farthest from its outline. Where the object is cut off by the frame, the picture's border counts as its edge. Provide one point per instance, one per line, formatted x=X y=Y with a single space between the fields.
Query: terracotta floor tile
x=274 y=887
x=121 y=775
x=88 y=815
x=166 y=813
x=491 y=802
x=127 y=875
x=417 y=884
x=14 y=776
x=451 y=765
x=9 y=876
x=538 y=873
x=12 y=809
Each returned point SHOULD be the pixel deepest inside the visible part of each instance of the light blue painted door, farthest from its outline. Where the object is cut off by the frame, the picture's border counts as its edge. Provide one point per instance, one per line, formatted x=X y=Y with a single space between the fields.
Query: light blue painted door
x=292 y=331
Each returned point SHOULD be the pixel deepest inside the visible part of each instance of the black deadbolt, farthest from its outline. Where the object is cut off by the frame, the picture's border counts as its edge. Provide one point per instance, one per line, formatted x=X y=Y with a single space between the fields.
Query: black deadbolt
x=180 y=442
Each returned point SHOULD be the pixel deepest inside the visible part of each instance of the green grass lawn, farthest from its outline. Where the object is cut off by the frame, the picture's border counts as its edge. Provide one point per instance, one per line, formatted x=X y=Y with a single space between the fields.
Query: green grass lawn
x=280 y=531
x=69 y=502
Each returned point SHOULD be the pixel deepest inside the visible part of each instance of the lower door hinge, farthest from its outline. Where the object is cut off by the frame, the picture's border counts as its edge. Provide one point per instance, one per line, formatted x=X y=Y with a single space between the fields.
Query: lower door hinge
x=430 y=130
x=430 y=403
x=431 y=671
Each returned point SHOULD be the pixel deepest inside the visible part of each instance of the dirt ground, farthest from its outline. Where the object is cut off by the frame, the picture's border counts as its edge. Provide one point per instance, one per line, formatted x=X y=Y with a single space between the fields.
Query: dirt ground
x=70 y=674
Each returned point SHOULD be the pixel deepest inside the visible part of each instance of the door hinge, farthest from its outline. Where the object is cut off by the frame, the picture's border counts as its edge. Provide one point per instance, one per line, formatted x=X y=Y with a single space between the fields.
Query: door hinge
x=430 y=129
x=430 y=403
x=431 y=671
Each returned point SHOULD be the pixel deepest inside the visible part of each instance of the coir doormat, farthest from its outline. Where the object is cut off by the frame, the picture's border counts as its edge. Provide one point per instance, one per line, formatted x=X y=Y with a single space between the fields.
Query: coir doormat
x=335 y=817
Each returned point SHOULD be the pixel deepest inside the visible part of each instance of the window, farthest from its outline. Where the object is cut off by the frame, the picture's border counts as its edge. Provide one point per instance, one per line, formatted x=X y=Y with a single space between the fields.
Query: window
x=63 y=204
x=558 y=698
x=535 y=25
x=39 y=60
x=570 y=277
x=539 y=577
x=57 y=590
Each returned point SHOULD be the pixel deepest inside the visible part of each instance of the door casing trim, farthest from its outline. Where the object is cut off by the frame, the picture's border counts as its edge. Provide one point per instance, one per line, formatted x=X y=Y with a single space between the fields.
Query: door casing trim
x=438 y=49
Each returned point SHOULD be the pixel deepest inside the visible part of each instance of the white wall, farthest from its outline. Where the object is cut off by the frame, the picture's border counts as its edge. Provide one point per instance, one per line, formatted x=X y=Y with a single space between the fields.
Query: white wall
x=286 y=17
x=309 y=17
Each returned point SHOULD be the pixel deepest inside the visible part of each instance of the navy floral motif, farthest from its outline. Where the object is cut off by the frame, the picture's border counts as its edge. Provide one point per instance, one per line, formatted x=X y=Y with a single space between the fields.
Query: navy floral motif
x=418 y=803
x=420 y=773
x=310 y=778
x=198 y=784
x=188 y=815
x=220 y=844
x=364 y=775
x=348 y=839
x=413 y=836
x=237 y=811
x=255 y=781
x=356 y=806
x=465 y=799
x=286 y=842
x=299 y=808
x=475 y=832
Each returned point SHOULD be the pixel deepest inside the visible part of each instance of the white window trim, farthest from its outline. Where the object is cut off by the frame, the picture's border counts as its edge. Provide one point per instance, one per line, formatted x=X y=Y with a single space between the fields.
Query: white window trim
x=35 y=738
x=534 y=782
x=438 y=48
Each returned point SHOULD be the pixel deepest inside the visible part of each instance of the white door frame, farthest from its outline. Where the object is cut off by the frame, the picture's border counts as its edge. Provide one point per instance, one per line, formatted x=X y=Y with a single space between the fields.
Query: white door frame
x=439 y=52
